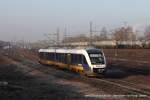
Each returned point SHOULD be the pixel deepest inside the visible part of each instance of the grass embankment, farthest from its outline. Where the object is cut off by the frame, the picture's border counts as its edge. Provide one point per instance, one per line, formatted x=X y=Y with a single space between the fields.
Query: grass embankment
x=16 y=85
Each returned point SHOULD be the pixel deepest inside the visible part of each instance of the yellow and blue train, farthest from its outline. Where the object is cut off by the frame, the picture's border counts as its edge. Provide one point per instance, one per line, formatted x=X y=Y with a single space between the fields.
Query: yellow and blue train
x=88 y=61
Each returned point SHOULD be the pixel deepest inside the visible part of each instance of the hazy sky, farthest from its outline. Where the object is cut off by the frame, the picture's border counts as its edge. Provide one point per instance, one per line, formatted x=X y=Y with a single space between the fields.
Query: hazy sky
x=30 y=19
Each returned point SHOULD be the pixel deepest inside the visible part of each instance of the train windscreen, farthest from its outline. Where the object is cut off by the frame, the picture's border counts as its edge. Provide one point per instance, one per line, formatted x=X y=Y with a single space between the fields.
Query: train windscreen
x=96 y=57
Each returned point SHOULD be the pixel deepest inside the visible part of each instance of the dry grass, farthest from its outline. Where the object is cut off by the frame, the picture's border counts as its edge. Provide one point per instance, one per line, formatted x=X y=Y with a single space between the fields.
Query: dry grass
x=132 y=54
x=27 y=87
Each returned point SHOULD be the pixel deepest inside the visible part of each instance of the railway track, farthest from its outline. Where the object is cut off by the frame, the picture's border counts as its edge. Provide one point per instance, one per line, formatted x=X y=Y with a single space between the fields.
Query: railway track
x=120 y=86
x=118 y=89
x=131 y=84
x=127 y=86
x=127 y=60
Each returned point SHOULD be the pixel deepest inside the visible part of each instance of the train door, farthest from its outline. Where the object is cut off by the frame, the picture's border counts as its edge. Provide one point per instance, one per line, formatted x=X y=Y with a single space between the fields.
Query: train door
x=68 y=60
x=85 y=64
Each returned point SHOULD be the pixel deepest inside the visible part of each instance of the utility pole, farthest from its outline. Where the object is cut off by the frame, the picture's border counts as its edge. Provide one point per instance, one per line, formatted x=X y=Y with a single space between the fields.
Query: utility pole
x=57 y=36
x=91 y=34
x=65 y=33
x=65 y=36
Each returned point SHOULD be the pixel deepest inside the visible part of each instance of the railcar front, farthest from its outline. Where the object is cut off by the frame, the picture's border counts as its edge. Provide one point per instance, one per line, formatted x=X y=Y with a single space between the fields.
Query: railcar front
x=97 y=62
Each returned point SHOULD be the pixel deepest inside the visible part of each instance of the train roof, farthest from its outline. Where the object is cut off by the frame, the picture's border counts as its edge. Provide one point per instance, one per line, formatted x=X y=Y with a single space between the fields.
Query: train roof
x=79 y=50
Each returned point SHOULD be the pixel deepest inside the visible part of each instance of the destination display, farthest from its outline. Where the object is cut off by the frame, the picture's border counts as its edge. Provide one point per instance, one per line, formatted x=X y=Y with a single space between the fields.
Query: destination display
x=95 y=55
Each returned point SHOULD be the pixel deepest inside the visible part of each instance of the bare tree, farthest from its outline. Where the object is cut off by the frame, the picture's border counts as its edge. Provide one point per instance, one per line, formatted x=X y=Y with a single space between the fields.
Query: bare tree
x=78 y=38
x=124 y=34
x=147 y=33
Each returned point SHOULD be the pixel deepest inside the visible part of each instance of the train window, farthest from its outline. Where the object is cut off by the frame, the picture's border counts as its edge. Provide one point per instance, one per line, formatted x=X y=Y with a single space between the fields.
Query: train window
x=72 y=59
x=60 y=57
x=41 y=55
x=76 y=58
x=84 y=60
x=57 y=57
x=50 y=56
x=79 y=59
x=46 y=56
x=53 y=56
x=63 y=57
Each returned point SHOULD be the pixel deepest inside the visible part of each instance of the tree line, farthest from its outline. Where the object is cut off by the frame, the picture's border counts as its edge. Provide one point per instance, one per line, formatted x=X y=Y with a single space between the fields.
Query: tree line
x=118 y=34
